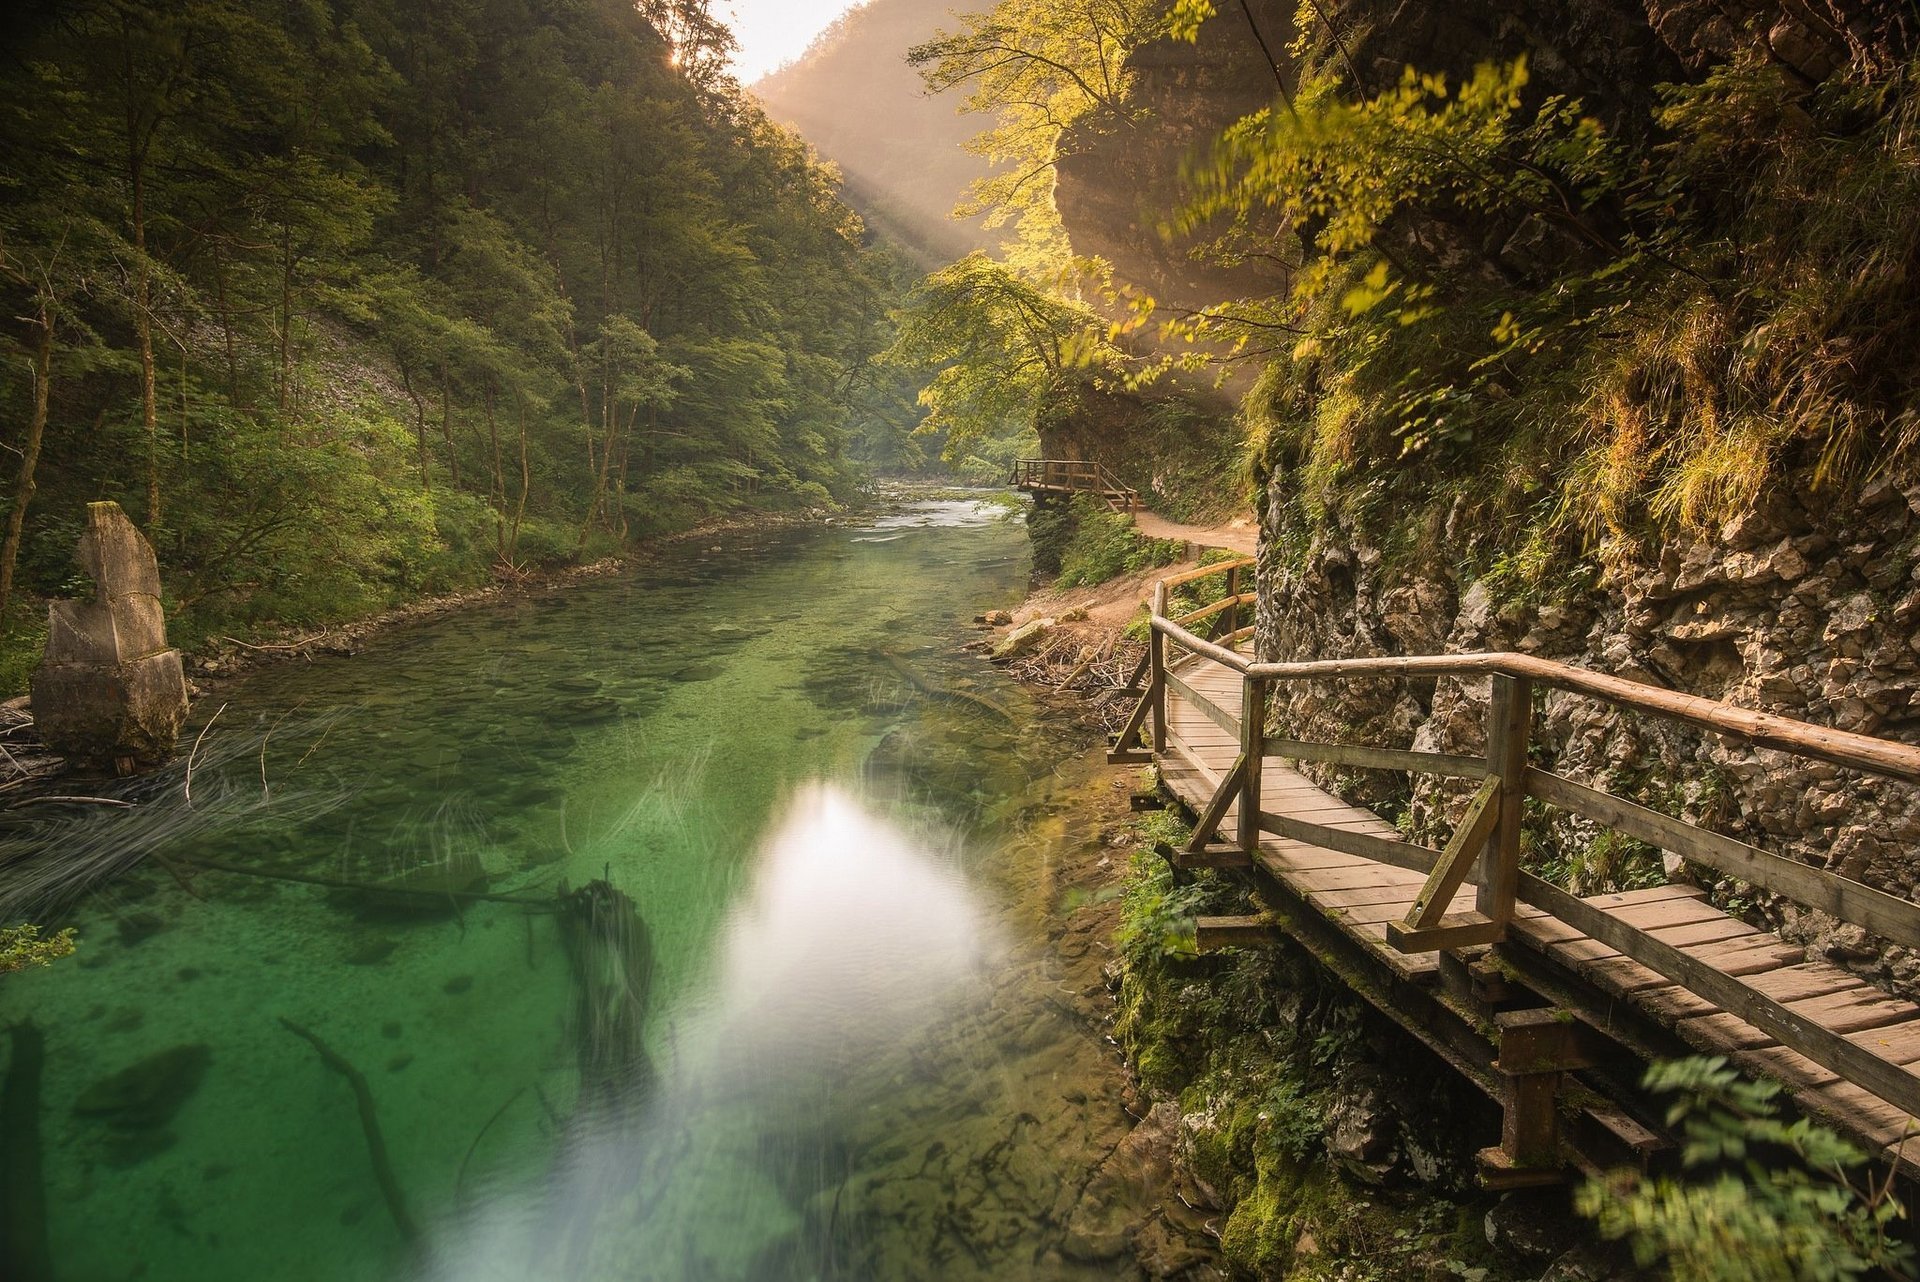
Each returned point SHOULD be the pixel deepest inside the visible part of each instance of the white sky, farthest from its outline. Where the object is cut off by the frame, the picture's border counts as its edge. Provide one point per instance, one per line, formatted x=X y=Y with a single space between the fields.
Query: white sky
x=772 y=32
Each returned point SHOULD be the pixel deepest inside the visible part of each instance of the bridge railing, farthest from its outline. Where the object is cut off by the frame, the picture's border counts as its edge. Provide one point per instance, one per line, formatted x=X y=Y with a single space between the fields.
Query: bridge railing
x=1075 y=476
x=1486 y=846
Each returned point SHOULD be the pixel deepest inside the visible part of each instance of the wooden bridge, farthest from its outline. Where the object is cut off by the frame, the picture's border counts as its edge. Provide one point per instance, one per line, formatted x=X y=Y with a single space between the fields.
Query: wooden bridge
x=1074 y=476
x=1550 y=1002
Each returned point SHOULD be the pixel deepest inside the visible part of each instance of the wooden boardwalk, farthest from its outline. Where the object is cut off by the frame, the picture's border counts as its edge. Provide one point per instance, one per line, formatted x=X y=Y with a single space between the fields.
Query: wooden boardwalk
x=1561 y=996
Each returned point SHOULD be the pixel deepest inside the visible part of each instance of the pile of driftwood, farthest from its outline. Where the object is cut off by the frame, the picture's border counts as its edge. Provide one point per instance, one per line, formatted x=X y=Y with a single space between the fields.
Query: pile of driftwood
x=1093 y=664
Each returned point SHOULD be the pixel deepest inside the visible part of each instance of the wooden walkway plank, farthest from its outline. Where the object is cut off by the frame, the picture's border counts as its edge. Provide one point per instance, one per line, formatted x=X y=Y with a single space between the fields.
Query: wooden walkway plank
x=1361 y=895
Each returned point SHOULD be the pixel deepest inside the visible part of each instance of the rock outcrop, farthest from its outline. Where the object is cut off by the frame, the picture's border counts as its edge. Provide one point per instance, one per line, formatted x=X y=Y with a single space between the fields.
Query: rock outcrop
x=1809 y=612
x=110 y=693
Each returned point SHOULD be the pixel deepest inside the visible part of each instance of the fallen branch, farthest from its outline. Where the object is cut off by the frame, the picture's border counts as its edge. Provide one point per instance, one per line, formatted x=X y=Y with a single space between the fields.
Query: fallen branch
x=369 y=1127
x=187 y=788
x=74 y=801
x=287 y=645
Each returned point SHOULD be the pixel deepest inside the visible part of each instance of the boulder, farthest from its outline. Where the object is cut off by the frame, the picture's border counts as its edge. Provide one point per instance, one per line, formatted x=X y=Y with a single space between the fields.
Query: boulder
x=1022 y=639
x=109 y=693
x=145 y=1096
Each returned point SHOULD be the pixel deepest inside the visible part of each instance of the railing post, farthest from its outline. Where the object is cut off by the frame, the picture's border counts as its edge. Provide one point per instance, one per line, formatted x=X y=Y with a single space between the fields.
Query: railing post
x=1253 y=742
x=1233 y=611
x=1157 y=668
x=1509 y=724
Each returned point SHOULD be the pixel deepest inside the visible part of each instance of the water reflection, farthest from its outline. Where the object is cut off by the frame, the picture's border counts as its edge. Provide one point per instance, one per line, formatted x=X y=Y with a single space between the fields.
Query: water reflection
x=852 y=932
x=853 y=929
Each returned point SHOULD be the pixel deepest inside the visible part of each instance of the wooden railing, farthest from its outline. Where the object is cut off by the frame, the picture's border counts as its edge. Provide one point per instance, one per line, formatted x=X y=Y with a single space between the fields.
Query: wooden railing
x=1485 y=848
x=1075 y=476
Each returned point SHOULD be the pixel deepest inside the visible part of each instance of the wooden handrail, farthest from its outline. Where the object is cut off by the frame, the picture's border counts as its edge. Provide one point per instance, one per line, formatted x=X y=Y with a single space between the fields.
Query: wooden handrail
x=1486 y=852
x=1764 y=729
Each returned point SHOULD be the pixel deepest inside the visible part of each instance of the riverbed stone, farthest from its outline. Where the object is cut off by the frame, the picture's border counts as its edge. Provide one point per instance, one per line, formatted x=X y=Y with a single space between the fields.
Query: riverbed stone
x=1021 y=639
x=145 y=1095
x=109 y=693
x=1125 y=1189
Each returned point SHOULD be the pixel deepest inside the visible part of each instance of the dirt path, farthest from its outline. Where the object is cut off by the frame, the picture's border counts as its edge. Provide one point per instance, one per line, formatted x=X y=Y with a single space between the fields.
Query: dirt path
x=1237 y=536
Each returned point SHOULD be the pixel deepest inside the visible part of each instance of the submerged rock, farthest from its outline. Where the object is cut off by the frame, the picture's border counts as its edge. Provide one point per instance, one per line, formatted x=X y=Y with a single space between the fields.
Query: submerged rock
x=1126 y=1189
x=144 y=1096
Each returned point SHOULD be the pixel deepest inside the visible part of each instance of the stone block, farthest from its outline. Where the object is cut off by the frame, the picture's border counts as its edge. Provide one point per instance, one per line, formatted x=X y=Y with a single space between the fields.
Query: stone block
x=109 y=693
x=103 y=717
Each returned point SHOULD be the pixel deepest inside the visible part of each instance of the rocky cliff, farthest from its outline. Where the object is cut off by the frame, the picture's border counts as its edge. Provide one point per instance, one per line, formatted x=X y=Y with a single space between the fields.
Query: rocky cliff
x=1805 y=603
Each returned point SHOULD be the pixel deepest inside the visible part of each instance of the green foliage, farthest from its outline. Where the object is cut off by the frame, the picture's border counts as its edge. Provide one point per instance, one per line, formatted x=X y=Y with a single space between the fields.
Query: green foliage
x=1613 y=331
x=1038 y=68
x=1104 y=545
x=1764 y=1199
x=994 y=349
x=337 y=327
x=21 y=947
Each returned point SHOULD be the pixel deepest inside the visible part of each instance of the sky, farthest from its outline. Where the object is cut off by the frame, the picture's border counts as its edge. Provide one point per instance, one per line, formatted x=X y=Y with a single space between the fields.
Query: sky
x=772 y=32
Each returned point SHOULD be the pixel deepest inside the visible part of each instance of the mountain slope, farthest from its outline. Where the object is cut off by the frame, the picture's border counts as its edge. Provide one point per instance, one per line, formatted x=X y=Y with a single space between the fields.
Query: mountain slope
x=853 y=96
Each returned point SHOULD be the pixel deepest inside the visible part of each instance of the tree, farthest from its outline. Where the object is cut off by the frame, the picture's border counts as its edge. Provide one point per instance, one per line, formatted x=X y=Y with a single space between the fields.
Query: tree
x=1038 y=67
x=997 y=348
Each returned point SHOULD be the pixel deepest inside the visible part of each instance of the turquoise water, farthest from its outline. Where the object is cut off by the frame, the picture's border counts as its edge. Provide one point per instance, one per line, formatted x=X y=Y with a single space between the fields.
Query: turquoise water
x=849 y=1063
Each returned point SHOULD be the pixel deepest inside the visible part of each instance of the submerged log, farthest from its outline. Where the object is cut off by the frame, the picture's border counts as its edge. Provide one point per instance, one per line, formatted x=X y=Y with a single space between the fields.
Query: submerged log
x=369 y=1128
x=611 y=951
x=951 y=693
x=24 y=1253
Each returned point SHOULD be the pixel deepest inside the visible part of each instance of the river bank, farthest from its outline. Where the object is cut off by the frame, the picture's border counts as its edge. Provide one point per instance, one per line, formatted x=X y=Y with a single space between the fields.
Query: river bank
x=217 y=661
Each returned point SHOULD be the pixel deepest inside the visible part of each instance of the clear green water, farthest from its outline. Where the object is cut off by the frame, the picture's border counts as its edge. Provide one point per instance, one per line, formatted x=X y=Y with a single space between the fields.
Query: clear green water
x=860 y=1070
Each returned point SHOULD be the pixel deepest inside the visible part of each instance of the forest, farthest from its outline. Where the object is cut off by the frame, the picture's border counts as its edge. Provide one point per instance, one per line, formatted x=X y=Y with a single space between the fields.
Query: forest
x=348 y=301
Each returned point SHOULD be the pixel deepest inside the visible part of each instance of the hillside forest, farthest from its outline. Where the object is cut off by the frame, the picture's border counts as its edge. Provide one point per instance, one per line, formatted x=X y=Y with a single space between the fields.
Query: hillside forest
x=348 y=301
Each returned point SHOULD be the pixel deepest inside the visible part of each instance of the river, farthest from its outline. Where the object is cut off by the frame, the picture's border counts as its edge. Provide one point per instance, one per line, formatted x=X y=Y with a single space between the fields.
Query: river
x=856 y=1058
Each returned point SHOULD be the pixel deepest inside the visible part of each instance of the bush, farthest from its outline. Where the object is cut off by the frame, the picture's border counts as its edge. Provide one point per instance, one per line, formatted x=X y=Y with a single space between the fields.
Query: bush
x=1763 y=1200
x=1105 y=545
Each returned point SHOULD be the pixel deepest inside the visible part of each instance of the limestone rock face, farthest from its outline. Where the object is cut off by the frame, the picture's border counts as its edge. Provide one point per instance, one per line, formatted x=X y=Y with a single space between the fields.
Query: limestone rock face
x=109 y=692
x=1809 y=609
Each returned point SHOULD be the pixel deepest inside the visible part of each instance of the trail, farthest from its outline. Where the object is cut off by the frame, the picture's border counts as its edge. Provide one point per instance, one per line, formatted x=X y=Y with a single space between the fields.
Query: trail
x=1236 y=536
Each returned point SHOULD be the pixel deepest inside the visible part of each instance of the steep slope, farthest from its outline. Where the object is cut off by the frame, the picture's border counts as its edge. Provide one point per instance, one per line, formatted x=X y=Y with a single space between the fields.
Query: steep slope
x=901 y=151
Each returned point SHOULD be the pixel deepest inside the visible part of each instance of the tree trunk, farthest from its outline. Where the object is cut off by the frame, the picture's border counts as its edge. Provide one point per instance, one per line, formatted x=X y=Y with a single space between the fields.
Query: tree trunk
x=143 y=328
x=446 y=427
x=419 y=426
x=30 y=453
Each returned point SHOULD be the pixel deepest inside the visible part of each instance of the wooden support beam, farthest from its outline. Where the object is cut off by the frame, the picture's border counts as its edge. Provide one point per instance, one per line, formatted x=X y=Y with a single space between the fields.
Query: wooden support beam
x=1207 y=707
x=1213 y=933
x=1509 y=722
x=1891 y=1082
x=1253 y=737
x=1542 y=1040
x=1157 y=673
x=1126 y=743
x=1347 y=754
x=1463 y=850
x=1217 y=806
x=1384 y=850
x=1455 y=930
x=1220 y=857
x=1888 y=916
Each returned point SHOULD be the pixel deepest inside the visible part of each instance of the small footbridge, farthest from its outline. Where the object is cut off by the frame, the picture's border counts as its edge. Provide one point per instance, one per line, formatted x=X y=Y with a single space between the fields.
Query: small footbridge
x=1074 y=476
x=1550 y=1002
